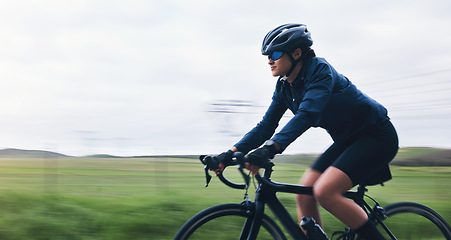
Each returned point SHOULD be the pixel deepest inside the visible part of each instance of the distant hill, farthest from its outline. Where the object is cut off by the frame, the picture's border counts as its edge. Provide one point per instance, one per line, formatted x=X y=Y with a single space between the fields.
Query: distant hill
x=20 y=153
x=411 y=156
x=422 y=156
x=102 y=156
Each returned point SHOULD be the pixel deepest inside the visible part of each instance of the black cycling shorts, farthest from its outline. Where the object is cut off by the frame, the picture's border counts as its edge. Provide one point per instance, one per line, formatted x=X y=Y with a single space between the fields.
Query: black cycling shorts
x=363 y=157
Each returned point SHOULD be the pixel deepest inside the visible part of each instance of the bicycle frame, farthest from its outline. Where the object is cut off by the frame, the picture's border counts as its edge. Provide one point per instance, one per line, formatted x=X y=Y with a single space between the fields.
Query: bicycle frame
x=266 y=195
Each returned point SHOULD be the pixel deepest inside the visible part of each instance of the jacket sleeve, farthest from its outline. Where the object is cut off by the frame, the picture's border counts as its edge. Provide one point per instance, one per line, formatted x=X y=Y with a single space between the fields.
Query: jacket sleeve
x=265 y=128
x=318 y=89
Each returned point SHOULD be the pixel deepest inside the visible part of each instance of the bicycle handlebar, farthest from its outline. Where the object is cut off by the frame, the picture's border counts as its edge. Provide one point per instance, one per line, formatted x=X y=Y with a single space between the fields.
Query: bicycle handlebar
x=239 y=159
x=211 y=163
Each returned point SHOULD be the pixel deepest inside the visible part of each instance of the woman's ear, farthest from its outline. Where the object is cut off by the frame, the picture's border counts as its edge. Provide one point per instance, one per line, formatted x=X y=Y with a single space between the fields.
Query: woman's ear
x=297 y=53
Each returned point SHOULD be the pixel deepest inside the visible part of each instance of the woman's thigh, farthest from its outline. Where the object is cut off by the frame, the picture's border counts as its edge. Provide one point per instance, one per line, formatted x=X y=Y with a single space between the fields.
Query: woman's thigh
x=363 y=157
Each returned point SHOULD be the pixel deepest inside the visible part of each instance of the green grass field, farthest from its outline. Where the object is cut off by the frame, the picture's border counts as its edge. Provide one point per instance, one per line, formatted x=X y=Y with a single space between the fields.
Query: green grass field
x=150 y=198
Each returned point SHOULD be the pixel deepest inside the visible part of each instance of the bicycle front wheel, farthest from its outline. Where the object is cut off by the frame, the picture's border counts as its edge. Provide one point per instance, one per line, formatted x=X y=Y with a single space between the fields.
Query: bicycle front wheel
x=408 y=220
x=226 y=221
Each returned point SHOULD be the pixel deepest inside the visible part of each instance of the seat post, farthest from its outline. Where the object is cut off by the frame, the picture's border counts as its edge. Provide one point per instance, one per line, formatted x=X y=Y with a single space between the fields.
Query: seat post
x=361 y=189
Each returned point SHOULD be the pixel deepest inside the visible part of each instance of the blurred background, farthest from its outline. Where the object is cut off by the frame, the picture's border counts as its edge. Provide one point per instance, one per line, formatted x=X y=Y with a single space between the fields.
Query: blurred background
x=187 y=77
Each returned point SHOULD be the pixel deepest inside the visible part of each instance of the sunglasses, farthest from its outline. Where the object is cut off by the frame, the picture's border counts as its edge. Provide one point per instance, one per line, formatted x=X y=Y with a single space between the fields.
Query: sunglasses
x=275 y=55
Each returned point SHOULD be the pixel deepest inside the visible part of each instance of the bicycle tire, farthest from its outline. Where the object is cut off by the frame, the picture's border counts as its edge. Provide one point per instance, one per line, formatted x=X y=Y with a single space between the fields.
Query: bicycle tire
x=215 y=217
x=409 y=220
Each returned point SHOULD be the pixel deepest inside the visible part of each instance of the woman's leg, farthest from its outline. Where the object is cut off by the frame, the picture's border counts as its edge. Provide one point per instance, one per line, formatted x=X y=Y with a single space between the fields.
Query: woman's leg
x=354 y=164
x=306 y=204
x=328 y=191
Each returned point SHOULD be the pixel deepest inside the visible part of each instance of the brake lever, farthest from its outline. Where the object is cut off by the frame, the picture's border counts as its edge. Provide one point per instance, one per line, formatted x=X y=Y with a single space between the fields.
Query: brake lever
x=240 y=158
x=207 y=176
x=246 y=177
x=207 y=161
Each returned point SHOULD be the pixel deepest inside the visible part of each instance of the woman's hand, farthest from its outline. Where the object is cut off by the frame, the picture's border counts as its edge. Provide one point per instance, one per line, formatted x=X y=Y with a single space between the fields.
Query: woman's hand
x=223 y=159
x=258 y=158
x=253 y=168
x=219 y=170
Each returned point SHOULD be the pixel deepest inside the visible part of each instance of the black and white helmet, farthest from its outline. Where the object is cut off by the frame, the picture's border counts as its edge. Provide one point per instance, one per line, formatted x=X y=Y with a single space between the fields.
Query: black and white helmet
x=286 y=38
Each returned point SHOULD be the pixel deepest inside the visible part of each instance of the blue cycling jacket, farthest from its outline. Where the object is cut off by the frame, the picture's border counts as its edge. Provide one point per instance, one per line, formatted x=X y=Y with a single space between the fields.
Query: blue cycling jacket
x=319 y=97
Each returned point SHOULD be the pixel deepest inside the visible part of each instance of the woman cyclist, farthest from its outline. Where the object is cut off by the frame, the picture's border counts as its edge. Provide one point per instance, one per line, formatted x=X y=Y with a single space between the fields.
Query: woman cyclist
x=364 y=140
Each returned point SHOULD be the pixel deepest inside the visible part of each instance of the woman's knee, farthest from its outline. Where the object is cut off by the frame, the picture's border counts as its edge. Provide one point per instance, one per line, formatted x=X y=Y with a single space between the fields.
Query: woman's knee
x=322 y=194
x=331 y=186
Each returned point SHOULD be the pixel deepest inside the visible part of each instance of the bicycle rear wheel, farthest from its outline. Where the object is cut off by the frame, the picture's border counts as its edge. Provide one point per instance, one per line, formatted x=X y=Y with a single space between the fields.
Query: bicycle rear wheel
x=225 y=221
x=408 y=220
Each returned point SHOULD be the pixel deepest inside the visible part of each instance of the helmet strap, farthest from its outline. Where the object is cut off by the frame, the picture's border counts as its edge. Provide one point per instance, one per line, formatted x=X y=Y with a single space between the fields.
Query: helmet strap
x=306 y=54
x=293 y=66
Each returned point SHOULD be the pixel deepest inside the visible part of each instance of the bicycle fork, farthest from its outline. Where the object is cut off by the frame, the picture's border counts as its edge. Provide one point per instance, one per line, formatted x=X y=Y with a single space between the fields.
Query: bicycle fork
x=256 y=212
x=253 y=222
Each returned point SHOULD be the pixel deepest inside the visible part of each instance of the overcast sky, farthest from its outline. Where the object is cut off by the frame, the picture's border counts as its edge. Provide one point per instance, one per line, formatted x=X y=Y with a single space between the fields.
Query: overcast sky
x=156 y=77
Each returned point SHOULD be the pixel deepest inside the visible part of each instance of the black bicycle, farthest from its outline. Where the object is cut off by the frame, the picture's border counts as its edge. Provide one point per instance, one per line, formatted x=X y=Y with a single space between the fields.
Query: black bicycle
x=247 y=220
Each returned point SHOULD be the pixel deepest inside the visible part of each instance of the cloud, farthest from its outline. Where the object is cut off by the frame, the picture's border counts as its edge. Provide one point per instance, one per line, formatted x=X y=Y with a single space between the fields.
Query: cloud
x=147 y=71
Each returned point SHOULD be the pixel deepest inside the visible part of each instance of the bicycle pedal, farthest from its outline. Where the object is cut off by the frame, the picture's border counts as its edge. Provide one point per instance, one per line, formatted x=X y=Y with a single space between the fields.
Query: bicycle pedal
x=342 y=235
